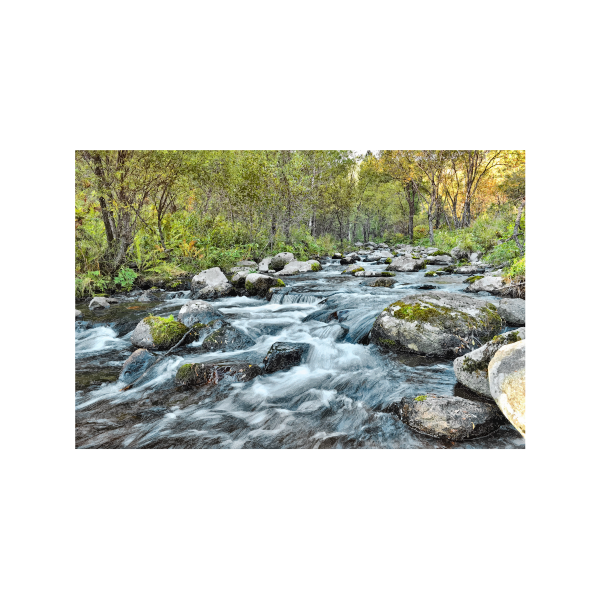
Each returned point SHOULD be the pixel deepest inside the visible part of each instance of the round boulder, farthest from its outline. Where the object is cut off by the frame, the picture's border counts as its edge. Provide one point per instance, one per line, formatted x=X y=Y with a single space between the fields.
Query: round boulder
x=135 y=365
x=157 y=333
x=281 y=260
x=198 y=311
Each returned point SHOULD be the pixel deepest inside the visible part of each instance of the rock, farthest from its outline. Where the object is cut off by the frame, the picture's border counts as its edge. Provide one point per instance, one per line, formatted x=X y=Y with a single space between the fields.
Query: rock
x=200 y=374
x=135 y=365
x=449 y=417
x=358 y=244
x=246 y=264
x=364 y=273
x=475 y=256
x=493 y=285
x=431 y=250
x=506 y=373
x=227 y=339
x=212 y=292
x=472 y=369
x=441 y=259
x=198 y=311
x=458 y=253
x=315 y=265
x=78 y=315
x=279 y=261
x=404 y=265
x=157 y=333
x=348 y=260
x=353 y=271
x=469 y=270
x=296 y=266
x=512 y=311
x=336 y=255
x=381 y=282
x=148 y=296
x=436 y=324
x=102 y=302
x=239 y=278
x=382 y=245
x=264 y=264
x=284 y=355
x=258 y=284
x=209 y=277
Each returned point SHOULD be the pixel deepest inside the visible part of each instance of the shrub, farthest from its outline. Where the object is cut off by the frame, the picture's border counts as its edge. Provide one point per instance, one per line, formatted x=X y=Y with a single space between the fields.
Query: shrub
x=125 y=278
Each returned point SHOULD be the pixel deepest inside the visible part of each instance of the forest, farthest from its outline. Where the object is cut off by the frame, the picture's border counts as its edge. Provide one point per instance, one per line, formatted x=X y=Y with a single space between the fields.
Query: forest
x=300 y=299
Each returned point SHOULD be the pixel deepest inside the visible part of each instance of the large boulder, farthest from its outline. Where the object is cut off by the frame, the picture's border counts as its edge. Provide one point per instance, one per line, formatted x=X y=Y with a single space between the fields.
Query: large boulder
x=458 y=253
x=191 y=374
x=100 y=302
x=449 y=417
x=157 y=333
x=472 y=369
x=226 y=339
x=135 y=365
x=512 y=310
x=246 y=264
x=440 y=259
x=348 y=260
x=405 y=264
x=258 y=284
x=285 y=355
x=198 y=311
x=469 y=270
x=211 y=284
x=239 y=278
x=265 y=264
x=380 y=282
x=280 y=260
x=506 y=373
x=493 y=285
x=436 y=324
x=297 y=266
x=315 y=265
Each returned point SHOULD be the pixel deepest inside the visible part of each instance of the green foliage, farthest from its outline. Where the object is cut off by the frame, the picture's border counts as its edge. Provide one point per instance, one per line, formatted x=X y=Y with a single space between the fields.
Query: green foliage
x=90 y=284
x=516 y=269
x=420 y=398
x=125 y=278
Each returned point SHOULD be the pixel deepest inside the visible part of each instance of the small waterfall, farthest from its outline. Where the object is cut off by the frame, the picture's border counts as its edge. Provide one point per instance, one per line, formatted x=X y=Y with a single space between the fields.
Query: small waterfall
x=286 y=297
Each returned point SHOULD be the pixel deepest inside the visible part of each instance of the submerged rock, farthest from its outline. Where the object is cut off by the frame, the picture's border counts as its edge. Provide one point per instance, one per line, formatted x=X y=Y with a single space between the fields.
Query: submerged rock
x=100 y=302
x=135 y=365
x=512 y=310
x=472 y=369
x=258 y=284
x=279 y=261
x=381 y=282
x=157 y=333
x=226 y=339
x=78 y=315
x=284 y=355
x=200 y=374
x=493 y=285
x=436 y=324
x=404 y=265
x=506 y=373
x=450 y=417
x=198 y=311
x=148 y=296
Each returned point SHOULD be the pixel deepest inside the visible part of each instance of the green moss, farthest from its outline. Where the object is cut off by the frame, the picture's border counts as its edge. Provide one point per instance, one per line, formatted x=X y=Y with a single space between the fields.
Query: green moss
x=447 y=269
x=439 y=253
x=388 y=261
x=165 y=332
x=279 y=283
x=420 y=398
x=249 y=285
x=315 y=267
x=387 y=274
x=473 y=279
x=431 y=274
x=352 y=271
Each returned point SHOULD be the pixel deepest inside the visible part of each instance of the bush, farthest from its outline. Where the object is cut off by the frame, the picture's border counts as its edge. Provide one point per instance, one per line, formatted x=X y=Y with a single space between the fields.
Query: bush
x=125 y=278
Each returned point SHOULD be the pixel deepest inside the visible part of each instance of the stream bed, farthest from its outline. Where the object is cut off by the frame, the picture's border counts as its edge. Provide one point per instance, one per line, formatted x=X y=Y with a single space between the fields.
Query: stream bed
x=337 y=398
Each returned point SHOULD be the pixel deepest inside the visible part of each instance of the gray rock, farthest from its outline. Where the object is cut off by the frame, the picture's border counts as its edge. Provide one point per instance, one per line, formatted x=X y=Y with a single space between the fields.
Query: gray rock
x=208 y=278
x=493 y=285
x=443 y=259
x=226 y=339
x=264 y=264
x=142 y=336
x=404 y=265
x=279 y=261
x=135 y=365
x=431 y=250
x=296 y=266
x=78 y=315
x=336 y=255
x=436 y=324
x=198 y=311
x=475 y=256
x=458 y=253
x=358 y=244
x=366 y=274
x=246 y=264
x=472 y=369
x=512 y=311
x=212 y=292
x=449 y=417
x=506 y=373
x=284 y=355
x=381 y=282
x=239 y=278
x=100 y=302
x=148 y=296
x=192 y=374
x=258 y=284
x=469 y=270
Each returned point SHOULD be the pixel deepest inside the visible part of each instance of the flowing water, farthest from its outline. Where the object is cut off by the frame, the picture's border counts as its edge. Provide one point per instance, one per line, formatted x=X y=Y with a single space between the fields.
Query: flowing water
x=335 y=399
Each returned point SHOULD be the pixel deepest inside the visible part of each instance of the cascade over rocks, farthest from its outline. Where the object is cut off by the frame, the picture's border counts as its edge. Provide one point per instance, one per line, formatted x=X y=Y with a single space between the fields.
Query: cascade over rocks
x=506 y=373
x=258 y=284
x=405 y=264
x=157 y=333
x=191 y=374
x=226 y=339
x=436 y=324
x=279 y=261
x=493 y=285
x=135 y=365
x=449 y=417
x=472 y=369
x=512 y=310
x=198 y=311
x=284 y=355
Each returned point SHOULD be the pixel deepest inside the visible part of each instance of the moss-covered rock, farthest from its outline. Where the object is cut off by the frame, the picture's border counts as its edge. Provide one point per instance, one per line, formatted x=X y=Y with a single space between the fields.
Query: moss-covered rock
x=387 y=274
x=436 y=324
x=431 y=274
x=473 y=279
x=192 y=374
x=258 y=284
x=351 y=271
x=158 y=333
x=388 y=261
x=226 y=339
